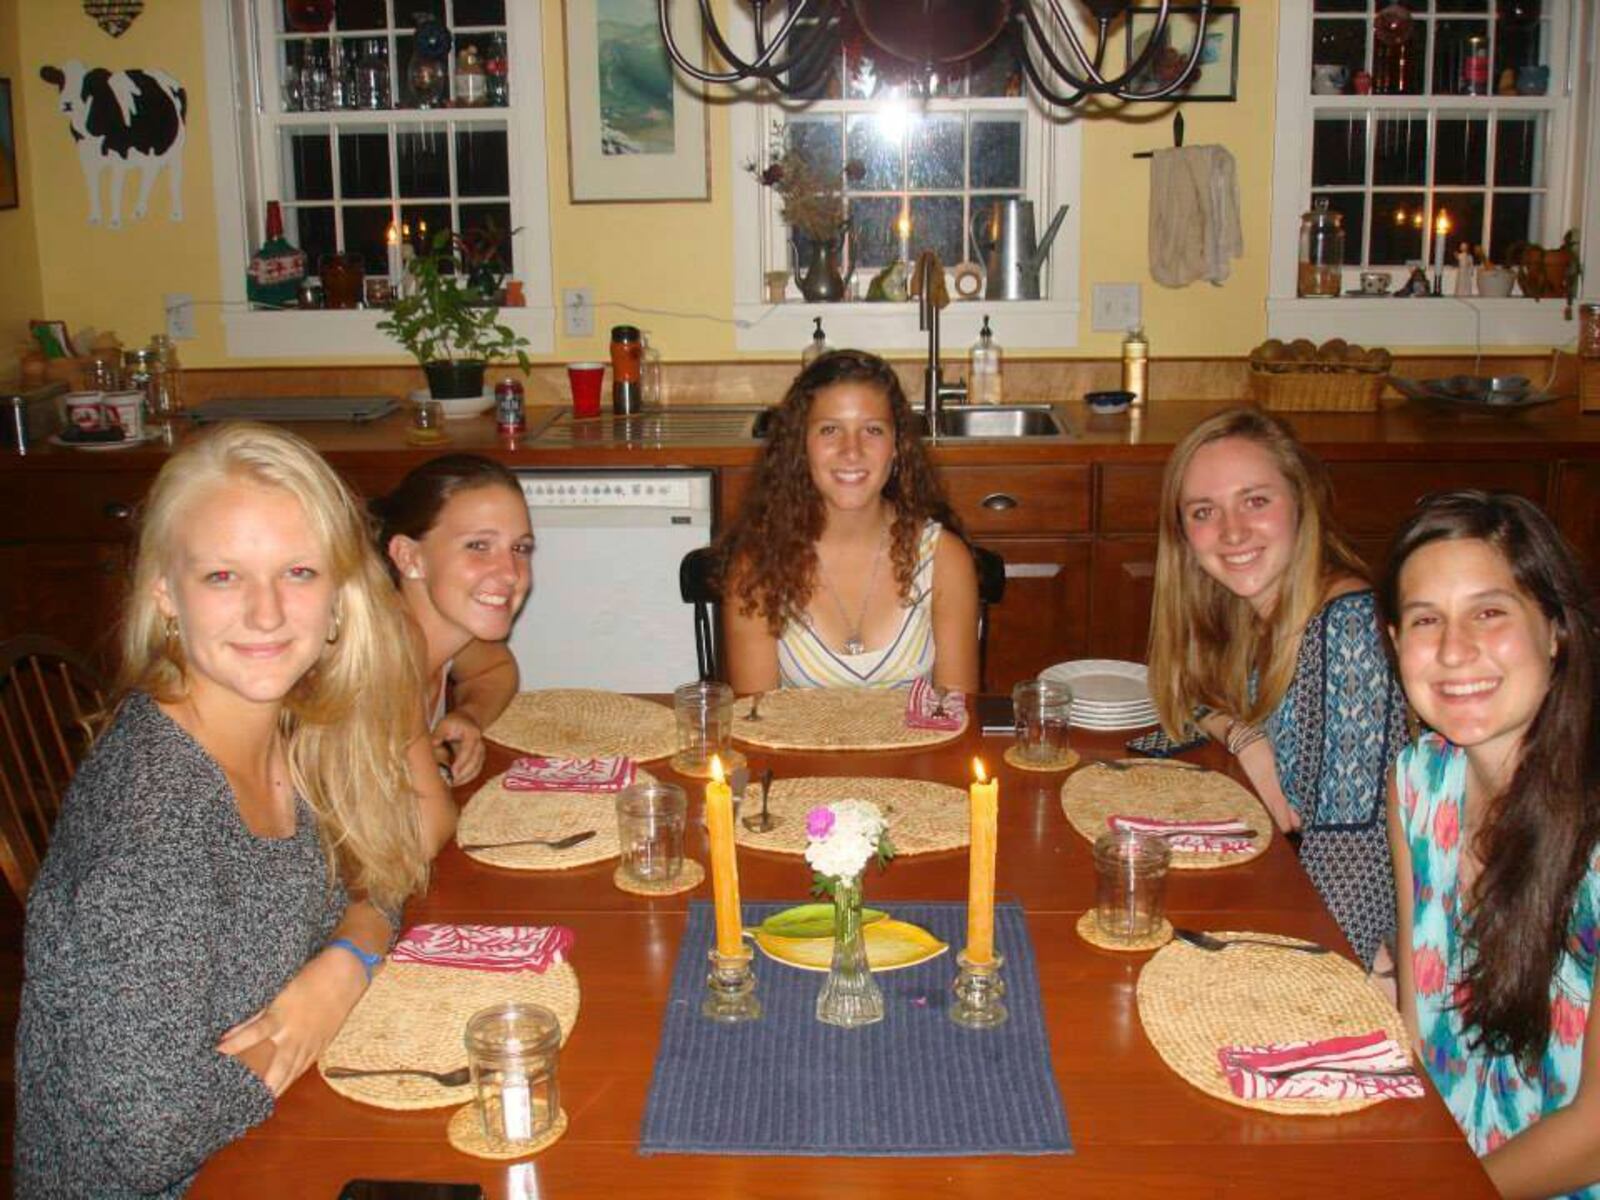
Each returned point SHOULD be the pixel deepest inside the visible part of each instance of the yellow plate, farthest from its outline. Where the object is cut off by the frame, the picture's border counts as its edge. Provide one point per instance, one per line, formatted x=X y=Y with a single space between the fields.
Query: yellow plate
x=891 y=945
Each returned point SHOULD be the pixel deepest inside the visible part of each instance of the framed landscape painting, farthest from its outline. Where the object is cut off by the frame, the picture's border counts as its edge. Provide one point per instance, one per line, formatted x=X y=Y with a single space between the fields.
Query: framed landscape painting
x=8 y=149
x=636 y=129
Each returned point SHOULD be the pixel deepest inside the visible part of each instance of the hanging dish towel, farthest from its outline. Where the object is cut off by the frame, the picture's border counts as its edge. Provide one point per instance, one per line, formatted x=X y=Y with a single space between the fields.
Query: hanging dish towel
x=1194 y=215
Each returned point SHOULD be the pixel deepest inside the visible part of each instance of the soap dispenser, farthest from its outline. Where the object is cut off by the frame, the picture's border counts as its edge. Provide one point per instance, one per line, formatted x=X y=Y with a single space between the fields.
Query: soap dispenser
x=983 y=376
x=818 y=347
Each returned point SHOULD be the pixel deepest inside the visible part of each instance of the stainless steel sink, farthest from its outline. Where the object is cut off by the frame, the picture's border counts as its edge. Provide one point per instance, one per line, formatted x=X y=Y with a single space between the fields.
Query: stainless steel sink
x=997 y=422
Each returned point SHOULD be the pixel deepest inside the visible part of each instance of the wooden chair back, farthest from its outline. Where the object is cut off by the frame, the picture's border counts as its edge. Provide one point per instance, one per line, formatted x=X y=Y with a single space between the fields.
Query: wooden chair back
x=47 y=695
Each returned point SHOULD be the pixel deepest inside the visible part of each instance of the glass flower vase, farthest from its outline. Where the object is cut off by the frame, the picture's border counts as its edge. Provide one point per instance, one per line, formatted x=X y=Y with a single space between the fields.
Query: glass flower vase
x=850 y=996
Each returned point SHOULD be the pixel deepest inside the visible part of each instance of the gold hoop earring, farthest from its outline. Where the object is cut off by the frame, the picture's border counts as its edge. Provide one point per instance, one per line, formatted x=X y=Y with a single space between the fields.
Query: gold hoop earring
x=333 y=634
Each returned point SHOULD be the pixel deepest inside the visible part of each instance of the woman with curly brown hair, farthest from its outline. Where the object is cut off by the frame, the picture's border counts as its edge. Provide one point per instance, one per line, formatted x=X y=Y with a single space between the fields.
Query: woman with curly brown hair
x=838 y=572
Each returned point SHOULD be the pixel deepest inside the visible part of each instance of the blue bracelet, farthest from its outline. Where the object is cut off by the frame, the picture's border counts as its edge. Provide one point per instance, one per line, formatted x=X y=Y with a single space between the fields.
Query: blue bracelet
x=369 y=962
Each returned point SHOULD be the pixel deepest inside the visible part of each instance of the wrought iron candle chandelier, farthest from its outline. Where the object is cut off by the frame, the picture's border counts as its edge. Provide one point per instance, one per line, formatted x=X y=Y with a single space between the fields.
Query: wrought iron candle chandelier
x=795 y=50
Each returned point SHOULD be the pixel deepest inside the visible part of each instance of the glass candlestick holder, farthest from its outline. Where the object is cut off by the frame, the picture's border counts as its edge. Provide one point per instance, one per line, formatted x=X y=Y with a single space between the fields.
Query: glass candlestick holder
x=978 y=992
x=730 y=989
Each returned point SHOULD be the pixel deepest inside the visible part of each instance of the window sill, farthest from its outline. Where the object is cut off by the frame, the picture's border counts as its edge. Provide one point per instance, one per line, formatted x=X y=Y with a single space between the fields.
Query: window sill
x=1441 y=321
x=1017 y=324
x=351 y=333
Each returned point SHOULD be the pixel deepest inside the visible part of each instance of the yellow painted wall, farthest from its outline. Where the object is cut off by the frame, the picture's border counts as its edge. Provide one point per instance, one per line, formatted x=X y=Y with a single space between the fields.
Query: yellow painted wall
x=638 y=259
x=21 y=292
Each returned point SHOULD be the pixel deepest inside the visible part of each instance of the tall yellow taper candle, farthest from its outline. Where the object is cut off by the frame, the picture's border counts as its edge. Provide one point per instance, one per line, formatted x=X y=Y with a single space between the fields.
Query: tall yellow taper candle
x=984 y=805
x=724 y=866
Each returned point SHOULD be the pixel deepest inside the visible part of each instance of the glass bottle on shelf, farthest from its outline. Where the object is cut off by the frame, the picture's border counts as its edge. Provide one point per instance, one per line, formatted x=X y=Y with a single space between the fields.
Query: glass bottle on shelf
x=1321 y=251
x=316 y=79
x=164 y=392
x=428 y=74
x=472 y=83
x=372 y=75
x=495 y=67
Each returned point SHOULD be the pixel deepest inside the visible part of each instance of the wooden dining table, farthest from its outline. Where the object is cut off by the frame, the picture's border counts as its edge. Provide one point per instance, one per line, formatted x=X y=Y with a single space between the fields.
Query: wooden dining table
x=1137 y=1128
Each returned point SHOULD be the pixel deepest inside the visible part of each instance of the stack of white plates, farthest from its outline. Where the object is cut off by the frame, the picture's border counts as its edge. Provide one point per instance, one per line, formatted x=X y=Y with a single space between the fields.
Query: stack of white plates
x=1106 y=694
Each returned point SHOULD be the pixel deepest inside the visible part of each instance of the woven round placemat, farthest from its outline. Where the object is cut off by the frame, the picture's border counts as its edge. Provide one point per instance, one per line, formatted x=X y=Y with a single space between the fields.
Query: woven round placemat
x=691 y=877
x=923 y=817
x=497 y=815
x=580 y=723
x=416 y=1016
x=1193 y=1002
x=1089 y=931
x=834 y=719
x=466 y=1135
x=1090 y=797
x=1013 y=757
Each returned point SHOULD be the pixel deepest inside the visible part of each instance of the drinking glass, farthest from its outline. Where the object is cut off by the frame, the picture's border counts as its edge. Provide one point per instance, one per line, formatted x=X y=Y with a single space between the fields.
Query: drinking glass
x=1130 y=884
x=704 y=711
x=650 y=821
x=1044 y=718
x=514 y=1050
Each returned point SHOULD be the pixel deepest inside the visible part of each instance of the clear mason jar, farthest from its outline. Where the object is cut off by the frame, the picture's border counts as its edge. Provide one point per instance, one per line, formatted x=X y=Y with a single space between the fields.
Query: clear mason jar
x=1321 y=251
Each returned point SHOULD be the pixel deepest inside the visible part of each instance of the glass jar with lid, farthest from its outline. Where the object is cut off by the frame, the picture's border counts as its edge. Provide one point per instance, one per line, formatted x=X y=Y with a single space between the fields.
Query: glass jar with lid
x=1321 y=251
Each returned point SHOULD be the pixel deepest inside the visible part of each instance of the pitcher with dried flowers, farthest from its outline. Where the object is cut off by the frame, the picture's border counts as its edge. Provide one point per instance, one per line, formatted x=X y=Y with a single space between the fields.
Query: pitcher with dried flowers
x=813 y=207
x=841 y=839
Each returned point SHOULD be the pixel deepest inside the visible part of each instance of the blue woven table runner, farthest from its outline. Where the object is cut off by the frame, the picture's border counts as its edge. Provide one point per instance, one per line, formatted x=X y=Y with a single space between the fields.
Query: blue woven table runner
x=913 y=1084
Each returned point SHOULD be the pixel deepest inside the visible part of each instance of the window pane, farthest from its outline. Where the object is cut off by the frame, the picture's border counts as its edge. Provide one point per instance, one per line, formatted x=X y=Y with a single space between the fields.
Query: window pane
x=1517 y=218
x=1330 y=6
x=365 y=14
x=1339 y=150
x=424 y=162
x=1451 y=54
x=1465 y=210
x=873 y=239
x=876 y=143
x=482 y=165
x=1461 y=149
x=309 y=156
x=936 y=226
x=817 y=139
x=312 y=230
x=480 y=12
x=421 y=223
x=996 y=153
x=363 y=165
x=1400 y=146
x=494 y=220
x=1348 y=205
x=1341 y=43
x=1519 y=43
x=1461 y=6
x=1396 y=228
x=364 y=229
x=935 y=151
x=1519 y=151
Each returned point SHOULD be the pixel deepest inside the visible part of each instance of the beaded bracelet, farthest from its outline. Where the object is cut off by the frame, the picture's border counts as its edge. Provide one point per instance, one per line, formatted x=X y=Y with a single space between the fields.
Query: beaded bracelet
x=1241 y=736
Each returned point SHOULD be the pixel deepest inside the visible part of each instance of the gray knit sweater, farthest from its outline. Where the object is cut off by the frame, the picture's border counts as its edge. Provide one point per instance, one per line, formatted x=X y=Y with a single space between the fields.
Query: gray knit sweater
x=157 y=922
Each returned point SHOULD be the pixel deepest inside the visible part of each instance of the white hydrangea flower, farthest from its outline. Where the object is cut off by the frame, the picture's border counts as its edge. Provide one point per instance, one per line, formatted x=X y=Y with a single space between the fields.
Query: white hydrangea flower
x=851 y=843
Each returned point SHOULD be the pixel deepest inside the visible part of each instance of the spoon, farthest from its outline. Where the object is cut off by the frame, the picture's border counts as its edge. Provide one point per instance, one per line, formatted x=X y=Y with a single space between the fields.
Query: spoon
x=761 y=822
x=456 y=1078
x=565 y=843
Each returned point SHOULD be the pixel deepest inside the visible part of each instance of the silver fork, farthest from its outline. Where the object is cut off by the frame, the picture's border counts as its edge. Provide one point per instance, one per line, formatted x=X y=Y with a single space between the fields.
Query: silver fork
x=454 y=1078
x=565 y=843
x=755 y=703
x=1112 y=764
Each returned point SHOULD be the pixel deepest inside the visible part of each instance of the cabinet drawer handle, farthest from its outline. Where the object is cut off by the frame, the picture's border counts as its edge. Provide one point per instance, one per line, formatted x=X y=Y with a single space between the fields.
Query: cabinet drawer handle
x=118 y=510
x=999 y=502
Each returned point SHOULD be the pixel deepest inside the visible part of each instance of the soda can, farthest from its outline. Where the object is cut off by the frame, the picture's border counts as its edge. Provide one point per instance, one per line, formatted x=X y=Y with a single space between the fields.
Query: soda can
x=509 y=415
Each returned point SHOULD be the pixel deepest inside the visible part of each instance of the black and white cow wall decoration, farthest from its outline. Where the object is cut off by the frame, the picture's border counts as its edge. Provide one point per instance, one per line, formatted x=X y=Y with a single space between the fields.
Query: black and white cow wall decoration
x=121 y=119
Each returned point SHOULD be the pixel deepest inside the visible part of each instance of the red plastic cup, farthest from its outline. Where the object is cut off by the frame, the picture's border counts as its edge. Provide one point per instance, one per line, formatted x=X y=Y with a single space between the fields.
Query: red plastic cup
x=586 y=378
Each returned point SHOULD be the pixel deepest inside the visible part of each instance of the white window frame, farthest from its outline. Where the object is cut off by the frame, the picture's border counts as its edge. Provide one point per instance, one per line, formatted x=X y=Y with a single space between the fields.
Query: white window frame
x=1052 y=156
x=244 y=131
x=1574 y=152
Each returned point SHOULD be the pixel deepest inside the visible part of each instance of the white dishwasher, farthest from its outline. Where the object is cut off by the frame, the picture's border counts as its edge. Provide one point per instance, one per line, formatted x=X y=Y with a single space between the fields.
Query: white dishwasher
x=604 y=610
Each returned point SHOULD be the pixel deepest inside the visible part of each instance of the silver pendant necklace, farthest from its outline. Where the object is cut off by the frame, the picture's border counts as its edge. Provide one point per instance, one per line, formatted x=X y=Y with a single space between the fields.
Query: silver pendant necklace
x=853 y=644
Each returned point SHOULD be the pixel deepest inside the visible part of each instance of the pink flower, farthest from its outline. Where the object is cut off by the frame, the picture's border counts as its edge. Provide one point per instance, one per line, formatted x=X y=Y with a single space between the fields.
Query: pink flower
x=819 y=822
x=1446 y=826
x=1427 y=970
x=1567 y=1021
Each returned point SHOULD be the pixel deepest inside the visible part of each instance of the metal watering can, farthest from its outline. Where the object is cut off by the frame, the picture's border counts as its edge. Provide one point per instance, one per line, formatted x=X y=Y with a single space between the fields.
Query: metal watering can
x=1003 y=234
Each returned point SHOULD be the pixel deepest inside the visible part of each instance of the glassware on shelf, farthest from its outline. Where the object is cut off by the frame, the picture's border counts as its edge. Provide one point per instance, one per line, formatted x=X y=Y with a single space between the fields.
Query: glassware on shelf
x=1475 y=67
x=472 y=82
x=372 y=75
x=1321 y=251
x=428 y=79
x=496 y=67
x=293 y=86
x=1392 y=67
x=316 y=79
x=344 y=76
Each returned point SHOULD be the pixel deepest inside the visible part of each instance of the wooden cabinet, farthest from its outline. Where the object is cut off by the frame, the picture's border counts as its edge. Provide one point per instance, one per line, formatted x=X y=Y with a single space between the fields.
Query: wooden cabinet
x=1122 y=583
x=1044 y=618
x=1576 y=507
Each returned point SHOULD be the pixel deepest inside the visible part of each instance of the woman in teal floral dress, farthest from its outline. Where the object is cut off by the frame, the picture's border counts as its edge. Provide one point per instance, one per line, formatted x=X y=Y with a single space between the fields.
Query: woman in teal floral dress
x=1494 y=824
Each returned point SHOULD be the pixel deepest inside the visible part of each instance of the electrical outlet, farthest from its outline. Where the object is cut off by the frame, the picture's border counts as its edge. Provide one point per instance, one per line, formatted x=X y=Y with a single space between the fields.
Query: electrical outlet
x=1115 y=307
x=180 y=315
x=577 y=307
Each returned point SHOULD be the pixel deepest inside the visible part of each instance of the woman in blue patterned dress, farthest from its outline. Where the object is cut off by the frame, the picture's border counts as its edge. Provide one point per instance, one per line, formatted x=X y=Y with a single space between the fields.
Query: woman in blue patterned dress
x=1264 y=621
x=1495 y=824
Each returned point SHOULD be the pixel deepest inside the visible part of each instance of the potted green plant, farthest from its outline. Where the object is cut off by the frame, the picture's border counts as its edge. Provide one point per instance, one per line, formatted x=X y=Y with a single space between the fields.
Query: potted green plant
x=448 y=321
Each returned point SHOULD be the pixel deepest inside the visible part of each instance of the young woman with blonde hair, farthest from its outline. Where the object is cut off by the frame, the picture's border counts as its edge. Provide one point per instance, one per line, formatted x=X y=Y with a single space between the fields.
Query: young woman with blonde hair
x=224 y=875
x=845 y=566
x=1266 y=632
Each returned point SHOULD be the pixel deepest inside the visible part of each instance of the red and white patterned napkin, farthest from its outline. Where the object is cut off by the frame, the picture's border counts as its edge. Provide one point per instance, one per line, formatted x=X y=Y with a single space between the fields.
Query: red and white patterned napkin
x=925 y=709
x=1192 y=837
x=485 y=947
x=1323 y=1070
x=535 y=774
